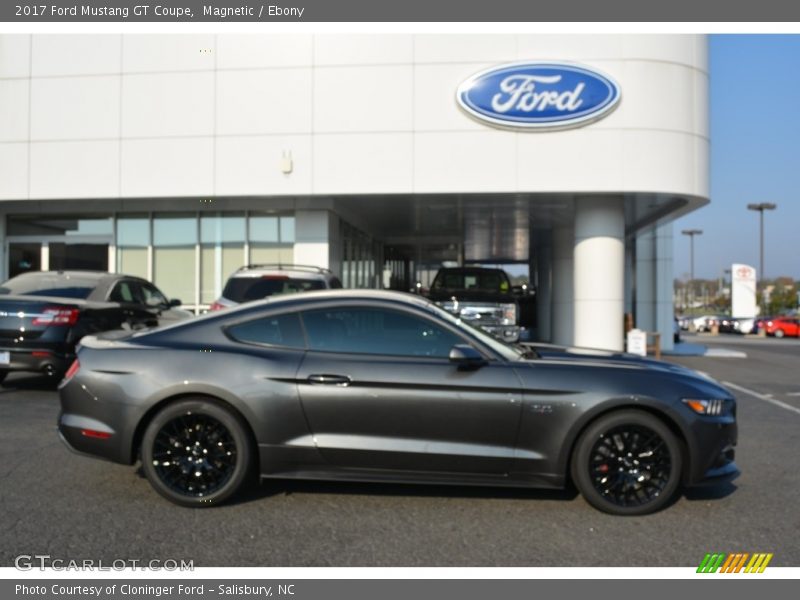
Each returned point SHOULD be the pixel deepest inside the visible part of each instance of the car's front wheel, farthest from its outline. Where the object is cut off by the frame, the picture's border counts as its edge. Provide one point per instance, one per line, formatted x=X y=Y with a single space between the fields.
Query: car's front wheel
x=779 y=333
x=627 y=463
x=196 y=453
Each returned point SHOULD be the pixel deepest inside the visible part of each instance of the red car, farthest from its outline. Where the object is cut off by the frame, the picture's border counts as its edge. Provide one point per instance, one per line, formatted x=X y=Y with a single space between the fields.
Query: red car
x=781 y=326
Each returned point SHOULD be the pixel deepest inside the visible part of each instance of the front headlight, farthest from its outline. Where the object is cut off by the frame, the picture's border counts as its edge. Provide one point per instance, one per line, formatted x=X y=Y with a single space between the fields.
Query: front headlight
x=713 y=407
x=509 y=314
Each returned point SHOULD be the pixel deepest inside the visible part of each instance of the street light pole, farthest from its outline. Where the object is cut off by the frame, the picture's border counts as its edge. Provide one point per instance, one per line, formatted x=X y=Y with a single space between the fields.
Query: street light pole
x=691 y=233
x=761 y=207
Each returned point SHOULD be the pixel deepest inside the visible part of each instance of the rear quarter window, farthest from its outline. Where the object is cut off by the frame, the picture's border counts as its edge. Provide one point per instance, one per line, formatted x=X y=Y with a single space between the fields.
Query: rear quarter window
x=278 y=330
x=245 y=289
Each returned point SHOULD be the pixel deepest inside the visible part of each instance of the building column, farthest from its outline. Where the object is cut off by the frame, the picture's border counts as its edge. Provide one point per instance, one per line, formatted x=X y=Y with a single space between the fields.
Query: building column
x=563 y=290
x=544 y=292
x=646 y=281
x=664 y=308
x=599 y=257
x=316 y=240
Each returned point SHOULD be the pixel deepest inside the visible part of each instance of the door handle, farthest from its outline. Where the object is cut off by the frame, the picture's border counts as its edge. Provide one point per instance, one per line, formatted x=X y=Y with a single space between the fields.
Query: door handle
x=328 y=380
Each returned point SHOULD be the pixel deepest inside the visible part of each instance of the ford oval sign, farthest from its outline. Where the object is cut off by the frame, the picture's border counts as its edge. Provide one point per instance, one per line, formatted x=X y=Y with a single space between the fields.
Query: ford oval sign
x=538 y=95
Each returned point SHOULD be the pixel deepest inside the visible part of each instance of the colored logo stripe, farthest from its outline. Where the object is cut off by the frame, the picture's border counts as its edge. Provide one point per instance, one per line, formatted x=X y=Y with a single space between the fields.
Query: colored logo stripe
x=733 y=563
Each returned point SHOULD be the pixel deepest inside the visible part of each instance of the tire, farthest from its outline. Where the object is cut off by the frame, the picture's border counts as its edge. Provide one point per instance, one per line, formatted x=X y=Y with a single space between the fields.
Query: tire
x=3 y=375
x=627 y=494
x=779 y=333
x=222 y=453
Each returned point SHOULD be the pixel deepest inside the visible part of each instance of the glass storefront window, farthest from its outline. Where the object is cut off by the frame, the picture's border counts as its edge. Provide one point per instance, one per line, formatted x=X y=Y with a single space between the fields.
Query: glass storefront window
x=222 y=240
x=133 y=239
x=271 y=239
x=174 y=251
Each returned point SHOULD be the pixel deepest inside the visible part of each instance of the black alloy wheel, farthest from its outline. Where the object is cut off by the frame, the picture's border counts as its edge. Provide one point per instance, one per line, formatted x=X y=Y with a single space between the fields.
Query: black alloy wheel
x=628 y=463
x=196 y=453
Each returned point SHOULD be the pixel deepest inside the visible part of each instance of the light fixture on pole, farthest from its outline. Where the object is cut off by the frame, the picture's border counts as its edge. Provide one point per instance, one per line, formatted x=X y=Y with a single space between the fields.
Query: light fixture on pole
x=691 y=233
x=761 y=207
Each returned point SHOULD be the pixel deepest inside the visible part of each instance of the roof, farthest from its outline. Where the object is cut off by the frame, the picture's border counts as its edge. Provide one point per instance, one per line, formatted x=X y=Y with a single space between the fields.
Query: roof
x=98 y=275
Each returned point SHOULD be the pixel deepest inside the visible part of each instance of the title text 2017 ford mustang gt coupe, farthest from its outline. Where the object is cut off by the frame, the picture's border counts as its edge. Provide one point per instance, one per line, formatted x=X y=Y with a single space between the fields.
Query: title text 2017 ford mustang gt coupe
x=383 y=386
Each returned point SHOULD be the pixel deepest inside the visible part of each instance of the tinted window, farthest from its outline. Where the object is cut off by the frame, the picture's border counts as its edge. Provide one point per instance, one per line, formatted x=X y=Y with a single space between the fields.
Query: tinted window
x=488 y=281
x=280 y=330
x=123 y=292
x=244 y=289
x=376 y=331
x=151 y=296
x=46 y=284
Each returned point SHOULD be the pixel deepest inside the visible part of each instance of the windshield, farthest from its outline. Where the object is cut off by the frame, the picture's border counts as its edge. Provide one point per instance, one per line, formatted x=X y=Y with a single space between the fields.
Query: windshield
x=477 y=280
x=244 y=289
x=57 y=286
x=507 y=351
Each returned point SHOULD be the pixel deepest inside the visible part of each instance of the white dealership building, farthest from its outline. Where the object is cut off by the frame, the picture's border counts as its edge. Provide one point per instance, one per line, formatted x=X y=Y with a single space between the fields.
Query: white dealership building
x=180 y=158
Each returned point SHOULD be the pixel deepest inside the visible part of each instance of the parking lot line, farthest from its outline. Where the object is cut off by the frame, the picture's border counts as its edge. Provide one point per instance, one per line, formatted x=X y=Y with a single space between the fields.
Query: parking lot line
x=764 y=397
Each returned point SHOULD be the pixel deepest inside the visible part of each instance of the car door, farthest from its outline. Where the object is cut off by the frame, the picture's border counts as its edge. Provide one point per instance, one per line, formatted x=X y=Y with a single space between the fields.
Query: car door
x=379 y=392
x=157 y=307
x=127 y=293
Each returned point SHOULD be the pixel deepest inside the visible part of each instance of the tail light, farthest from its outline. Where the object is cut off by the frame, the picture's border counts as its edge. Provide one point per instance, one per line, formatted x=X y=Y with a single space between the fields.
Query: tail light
x=73 y=369
x=216 y=306
x=57 y=315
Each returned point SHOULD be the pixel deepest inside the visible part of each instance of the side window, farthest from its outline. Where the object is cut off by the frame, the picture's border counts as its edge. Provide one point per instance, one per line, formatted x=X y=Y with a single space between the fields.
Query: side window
x=151 y=296
x=377 y=331
x=280 y=330
x=124 y=291
x=335 y=283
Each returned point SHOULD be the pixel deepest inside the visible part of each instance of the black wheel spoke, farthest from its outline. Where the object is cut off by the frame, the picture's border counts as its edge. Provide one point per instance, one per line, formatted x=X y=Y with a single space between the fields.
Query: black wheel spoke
x=630 y=465
x=194 y=454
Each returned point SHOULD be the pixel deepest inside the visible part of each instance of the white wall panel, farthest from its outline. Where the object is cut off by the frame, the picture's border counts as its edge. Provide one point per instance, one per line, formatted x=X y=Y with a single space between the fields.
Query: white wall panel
x=363 y=49
x=251 y=165
x=464 y=48
x=75 y=169
x=479 y=162
x=15 y=55
x=169 y=167
x=264 y=101
x=13 y=171
x=75 y=108
x=67 y=54
x=248 y=51
x=177 y=52
x=362 y=164
x=358 y=99
x=14 y=107
x=168 y=104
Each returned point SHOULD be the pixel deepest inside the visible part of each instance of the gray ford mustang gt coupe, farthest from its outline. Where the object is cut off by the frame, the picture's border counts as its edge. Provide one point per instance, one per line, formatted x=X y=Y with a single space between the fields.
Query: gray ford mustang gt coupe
x=385 y=386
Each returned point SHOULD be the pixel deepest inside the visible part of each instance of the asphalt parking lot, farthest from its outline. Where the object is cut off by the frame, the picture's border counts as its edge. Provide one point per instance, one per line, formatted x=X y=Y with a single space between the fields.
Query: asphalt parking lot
x=53 y=502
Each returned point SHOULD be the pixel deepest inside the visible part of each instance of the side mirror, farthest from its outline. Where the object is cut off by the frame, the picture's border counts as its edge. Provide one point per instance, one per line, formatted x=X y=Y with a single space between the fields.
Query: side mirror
x=173 y=302
x=466 y=357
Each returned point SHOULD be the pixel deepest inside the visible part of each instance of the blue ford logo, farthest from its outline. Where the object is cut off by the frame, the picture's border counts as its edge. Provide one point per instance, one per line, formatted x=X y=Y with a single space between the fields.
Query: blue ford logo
x=538 y=95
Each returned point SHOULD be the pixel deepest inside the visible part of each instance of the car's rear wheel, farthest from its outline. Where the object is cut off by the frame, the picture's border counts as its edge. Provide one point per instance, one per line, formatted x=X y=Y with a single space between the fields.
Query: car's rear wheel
x=196 y=453
x=779 y=333
x=627 y=463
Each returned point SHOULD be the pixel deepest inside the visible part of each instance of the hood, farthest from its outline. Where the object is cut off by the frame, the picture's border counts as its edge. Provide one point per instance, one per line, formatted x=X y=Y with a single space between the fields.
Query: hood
x=472 y=296
x=610 y=358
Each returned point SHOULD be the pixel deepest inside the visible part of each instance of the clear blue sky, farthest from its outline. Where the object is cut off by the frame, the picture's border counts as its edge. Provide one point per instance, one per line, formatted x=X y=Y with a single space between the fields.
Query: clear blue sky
x=755 y=157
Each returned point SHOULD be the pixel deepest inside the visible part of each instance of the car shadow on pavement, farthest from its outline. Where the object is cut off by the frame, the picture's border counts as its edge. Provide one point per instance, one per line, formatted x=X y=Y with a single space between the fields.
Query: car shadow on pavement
x=30 y=382
x=710 y=492
x=286 y=487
